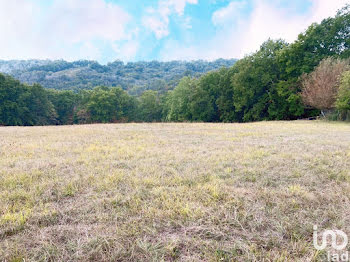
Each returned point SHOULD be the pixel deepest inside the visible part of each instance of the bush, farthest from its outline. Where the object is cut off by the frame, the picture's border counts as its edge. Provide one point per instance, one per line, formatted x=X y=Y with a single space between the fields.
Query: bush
x=343 y=98
x=320 y=88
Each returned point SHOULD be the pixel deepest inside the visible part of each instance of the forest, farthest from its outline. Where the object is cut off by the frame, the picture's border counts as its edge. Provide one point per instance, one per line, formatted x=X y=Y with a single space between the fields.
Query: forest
x=134 y=77
x=280 y=81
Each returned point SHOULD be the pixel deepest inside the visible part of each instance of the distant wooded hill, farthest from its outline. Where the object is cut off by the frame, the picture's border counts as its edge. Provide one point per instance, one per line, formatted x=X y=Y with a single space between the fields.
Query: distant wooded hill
x=133 y=77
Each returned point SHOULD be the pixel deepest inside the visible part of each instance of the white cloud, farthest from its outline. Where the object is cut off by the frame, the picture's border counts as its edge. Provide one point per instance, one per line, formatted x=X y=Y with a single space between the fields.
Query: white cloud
x=179 y=5
x=127 y=51
x=88 y=51
x=267 y=20
x=157 y=20
x=157 y=23
x=81 y=20
x=78 y=29
x=58 y=29
x=229 y=13
x=16 y=23
x=324 y=8
x=238 y=35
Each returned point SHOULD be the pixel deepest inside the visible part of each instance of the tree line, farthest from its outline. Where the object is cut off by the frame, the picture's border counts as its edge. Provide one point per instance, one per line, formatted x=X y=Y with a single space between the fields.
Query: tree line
x=280 y=81
x=23 y=104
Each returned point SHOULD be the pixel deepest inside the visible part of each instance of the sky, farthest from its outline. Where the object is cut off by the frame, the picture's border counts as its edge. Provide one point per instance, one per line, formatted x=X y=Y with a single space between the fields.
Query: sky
x=144 y=30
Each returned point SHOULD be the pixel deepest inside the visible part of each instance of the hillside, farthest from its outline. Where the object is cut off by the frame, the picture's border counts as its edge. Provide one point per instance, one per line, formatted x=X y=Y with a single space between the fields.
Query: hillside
x=133 y=77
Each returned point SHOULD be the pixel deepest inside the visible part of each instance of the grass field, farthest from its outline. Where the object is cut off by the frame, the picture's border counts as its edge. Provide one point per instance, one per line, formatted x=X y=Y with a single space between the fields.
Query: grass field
x=172 y=192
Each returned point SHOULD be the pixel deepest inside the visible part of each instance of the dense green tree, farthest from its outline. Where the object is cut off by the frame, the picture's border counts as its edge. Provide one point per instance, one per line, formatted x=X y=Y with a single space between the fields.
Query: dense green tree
x=206 y=92
x=178 y=101
x=150 y=108
x=24 y=105
x=285 y=101
x=126 y=105
x=224 y=98
x=134 y=77
x=343 y=97
x=65 y=103
x=103 y=104
x=208 y=99
x=39 y=109
x=10 y=109
x=253 y=84
x=329 y=38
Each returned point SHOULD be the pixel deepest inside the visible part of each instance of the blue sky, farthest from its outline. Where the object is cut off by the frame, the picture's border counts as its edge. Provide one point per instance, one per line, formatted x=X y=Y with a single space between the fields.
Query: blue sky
x=133 y=30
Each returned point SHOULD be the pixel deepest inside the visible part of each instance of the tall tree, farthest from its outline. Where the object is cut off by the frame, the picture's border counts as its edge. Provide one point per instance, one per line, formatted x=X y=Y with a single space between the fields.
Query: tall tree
x=343 y=96
x=254 y=81
x=178 y=101
x=65 y=103
x=203 y=106
x=224 y=101
x=150 y=107
x=10 y=109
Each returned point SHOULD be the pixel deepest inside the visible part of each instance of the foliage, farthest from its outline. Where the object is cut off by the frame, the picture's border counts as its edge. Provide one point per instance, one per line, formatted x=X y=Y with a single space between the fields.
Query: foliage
x=65 y=105
x=133 y=77
x=320 y=87
x=207 y=99
x=253 y=84
x=343 y=98
x=33 y=105
x=330 y=38
x=24 y=105
x=105 y=105
x=149 y=107
x=205 y=94
x=178 y=101
x=277 y=82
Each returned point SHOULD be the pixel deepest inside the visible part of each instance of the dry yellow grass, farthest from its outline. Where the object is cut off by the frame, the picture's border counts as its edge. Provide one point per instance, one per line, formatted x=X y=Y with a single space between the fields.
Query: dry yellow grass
x=172 y=192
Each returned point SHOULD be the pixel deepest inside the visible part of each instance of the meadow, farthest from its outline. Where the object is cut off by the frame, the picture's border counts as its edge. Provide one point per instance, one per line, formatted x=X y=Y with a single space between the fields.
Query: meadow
x=172 y=192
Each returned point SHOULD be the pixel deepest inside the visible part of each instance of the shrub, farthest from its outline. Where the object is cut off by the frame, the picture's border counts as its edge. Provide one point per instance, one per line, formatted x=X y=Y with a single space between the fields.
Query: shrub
x=320 y=88
x=343 y=98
